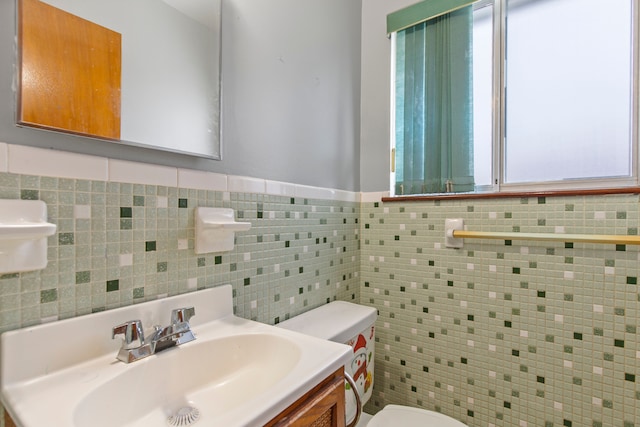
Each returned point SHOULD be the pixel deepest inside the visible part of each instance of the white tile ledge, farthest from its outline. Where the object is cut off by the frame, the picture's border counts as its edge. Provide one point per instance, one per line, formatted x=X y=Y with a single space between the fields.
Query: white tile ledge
x=47 y=162
x=27 y=160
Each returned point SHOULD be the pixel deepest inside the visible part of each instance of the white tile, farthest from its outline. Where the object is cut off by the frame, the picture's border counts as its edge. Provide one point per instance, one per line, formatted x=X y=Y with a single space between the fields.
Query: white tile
x=126 y=259
x=4 y=157
x=278 y=188
x=183 y=244
x=346 y=196
x=201 y=180
x=61 y=164
x=322 y=193
x=142 y=173
x=82 y=211
x=370 y=197
x=310 y=192
x=162 y=202
x=242 y=184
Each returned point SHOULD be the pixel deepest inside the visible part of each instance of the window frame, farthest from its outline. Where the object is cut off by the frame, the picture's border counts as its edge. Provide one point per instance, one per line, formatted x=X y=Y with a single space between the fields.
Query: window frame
x=499 y=188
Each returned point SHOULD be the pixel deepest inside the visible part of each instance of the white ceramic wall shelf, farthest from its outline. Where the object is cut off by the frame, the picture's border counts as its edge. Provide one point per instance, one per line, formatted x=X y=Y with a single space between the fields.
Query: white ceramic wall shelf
x=215 y=229
x=23 y=235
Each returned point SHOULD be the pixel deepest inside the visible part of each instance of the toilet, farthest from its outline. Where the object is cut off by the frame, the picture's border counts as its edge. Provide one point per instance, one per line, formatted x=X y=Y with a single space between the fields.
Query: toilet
x=354 y=324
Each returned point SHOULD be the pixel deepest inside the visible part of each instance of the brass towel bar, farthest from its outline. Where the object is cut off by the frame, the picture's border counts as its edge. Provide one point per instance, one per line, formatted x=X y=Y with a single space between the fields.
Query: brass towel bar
x=455 y=233
x=554 y=237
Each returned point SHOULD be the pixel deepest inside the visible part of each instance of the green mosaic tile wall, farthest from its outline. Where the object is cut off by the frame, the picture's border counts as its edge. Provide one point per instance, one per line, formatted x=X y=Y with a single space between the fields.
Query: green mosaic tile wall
x=504 y=333
x=119 y=244
x=496 y=334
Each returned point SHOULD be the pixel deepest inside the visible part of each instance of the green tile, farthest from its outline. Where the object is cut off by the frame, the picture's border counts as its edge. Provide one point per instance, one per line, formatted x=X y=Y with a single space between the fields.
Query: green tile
x=48 y=295
x=113 y=285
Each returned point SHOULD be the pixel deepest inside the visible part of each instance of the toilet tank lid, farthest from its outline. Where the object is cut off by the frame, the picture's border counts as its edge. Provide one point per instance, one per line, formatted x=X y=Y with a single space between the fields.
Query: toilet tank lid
x=337 y=321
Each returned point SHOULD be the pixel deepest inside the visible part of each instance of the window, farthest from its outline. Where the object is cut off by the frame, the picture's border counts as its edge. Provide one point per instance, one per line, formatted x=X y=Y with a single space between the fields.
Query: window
x=512 y=95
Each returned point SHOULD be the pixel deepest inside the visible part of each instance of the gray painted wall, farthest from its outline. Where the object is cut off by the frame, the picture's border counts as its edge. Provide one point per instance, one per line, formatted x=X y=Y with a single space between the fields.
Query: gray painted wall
x=291 y=95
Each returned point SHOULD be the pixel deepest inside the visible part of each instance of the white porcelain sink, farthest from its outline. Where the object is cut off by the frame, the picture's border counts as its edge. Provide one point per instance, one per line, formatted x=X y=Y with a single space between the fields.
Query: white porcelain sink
x=236 y=373
x=214 y=376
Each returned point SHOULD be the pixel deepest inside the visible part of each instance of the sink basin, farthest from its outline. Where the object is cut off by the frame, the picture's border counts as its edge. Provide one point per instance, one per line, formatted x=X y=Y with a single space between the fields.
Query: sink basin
x=213 y=377
x=236 y=373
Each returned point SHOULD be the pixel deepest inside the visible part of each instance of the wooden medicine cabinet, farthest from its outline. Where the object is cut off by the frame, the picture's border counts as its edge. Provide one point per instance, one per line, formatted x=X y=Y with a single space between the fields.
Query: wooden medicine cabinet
x=69 y=78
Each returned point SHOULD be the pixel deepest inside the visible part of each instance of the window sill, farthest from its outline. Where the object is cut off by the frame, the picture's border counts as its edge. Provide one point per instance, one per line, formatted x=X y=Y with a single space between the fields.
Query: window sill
x=519 y=194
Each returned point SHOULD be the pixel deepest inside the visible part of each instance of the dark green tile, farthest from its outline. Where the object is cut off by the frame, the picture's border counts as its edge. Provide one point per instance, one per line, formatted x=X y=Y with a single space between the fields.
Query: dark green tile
x=113 y=285
x=66 y=239
x=29 y=194
x=83 y=277
x=48 y=295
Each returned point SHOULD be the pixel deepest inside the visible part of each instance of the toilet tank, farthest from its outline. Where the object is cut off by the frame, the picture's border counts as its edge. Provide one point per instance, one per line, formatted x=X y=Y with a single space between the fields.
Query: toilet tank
x=347 y=323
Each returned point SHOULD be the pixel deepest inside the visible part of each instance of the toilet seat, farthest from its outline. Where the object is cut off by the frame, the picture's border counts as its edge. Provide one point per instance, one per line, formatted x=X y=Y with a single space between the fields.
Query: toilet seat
x=396 y=415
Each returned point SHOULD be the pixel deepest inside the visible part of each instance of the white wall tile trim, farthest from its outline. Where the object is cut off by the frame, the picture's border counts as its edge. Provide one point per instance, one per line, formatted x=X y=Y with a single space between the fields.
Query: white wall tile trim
x=245 y=184
x=26 y=160
x=373 y=196
x=201 y=180
x=142 y=173
x=278 y=188
x=45 y=162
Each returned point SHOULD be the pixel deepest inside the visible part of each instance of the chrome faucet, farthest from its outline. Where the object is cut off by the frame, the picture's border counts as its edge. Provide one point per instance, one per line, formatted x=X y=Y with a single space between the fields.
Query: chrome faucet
x=135 y=346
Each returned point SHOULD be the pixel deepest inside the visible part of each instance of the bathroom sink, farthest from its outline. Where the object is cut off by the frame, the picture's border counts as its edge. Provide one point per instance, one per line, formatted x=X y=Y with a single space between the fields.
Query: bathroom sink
x=212 y=377
x=235 y=373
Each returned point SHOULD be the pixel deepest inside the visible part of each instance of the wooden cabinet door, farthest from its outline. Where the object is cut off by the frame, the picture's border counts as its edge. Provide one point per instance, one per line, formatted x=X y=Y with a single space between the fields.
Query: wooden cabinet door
x=323 y=406
x=8 y=422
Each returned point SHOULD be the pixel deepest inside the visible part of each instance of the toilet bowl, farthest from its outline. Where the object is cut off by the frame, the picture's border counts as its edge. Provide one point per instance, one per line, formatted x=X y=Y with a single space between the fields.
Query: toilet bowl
x=354 y=324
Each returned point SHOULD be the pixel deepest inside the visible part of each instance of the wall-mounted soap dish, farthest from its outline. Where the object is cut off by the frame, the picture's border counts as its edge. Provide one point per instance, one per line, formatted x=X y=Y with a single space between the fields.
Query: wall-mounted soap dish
x=215 y=229
x=23 y=235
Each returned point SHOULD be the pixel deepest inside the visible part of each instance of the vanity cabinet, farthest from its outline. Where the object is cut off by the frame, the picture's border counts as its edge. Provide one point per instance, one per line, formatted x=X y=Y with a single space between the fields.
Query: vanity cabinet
x=8 y=422
x=322 y=406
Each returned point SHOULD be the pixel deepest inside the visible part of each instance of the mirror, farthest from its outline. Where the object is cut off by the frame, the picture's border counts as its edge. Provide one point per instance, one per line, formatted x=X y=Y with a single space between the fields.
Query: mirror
x=169 y=88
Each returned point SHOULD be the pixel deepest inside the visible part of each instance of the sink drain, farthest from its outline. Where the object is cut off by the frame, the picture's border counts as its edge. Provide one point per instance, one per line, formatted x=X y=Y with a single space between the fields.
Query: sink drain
x=185 y=416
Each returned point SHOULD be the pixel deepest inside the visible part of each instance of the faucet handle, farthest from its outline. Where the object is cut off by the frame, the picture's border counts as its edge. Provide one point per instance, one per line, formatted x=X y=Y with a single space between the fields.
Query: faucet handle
x=181 y=315
x=133 y=335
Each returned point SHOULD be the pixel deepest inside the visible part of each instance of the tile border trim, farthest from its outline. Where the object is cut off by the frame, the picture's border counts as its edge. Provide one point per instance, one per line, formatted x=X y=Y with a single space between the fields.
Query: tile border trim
x=20 y=159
